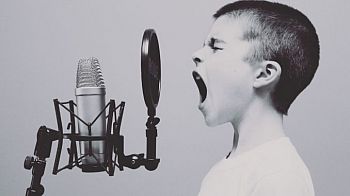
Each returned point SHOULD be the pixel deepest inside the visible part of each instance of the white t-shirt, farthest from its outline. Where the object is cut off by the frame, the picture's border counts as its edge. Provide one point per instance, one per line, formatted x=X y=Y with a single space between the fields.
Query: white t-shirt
x=271 y=169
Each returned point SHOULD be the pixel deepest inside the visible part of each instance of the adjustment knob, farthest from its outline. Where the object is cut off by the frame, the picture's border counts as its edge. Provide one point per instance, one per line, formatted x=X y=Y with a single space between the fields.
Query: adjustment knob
x=34 y=191
x=28 y=162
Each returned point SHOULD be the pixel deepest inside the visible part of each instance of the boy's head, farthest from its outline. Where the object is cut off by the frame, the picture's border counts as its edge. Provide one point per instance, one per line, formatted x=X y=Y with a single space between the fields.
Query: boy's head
x=282 y=49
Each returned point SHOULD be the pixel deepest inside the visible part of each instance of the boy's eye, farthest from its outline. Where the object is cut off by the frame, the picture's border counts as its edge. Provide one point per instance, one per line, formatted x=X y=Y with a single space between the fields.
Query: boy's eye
x=213 y=47
x=216 y=48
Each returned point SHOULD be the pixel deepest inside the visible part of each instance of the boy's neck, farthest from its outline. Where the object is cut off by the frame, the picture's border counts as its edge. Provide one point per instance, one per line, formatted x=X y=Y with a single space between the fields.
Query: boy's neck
x=261 y=123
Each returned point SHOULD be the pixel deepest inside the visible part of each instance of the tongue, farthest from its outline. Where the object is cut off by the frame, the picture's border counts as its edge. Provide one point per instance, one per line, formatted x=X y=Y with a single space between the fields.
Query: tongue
x=201 y=85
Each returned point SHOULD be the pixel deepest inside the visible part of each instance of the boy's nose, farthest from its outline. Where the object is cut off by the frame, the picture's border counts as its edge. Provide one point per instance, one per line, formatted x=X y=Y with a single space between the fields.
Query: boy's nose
x=196 y=60
x=197 y=57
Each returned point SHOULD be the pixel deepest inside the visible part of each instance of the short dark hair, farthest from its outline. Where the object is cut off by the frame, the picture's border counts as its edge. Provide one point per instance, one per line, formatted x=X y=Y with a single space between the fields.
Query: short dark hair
x=283 y=34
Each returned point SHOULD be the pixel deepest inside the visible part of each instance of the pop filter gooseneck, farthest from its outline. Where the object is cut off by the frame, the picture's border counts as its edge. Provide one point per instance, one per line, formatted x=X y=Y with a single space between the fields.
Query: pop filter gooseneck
x=150 y=75
x=150 y=70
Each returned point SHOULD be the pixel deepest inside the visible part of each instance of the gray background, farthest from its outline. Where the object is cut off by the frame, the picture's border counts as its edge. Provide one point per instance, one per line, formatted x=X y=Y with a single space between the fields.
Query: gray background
x=41 y=42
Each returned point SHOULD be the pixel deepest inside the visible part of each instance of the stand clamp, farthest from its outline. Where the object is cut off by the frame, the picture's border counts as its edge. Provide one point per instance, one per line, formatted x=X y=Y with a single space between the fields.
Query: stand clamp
x=45 y=137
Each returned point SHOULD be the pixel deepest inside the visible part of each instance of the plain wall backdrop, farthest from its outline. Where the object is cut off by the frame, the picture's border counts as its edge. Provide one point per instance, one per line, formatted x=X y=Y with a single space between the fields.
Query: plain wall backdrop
x=42 y=41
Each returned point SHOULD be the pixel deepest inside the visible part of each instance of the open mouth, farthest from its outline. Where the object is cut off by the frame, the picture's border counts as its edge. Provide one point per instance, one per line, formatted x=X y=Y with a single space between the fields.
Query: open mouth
x=201 y=85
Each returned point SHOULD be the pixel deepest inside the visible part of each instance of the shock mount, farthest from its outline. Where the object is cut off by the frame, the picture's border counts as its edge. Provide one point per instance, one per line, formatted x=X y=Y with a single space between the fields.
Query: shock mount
x=114 y=142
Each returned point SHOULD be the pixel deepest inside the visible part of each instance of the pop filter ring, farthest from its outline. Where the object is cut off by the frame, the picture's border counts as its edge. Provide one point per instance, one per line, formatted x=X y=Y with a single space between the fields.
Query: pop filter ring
x=150 y=70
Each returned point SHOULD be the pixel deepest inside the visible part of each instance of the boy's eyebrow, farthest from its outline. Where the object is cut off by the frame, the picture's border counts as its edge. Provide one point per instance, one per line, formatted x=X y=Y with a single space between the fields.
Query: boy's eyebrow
x=213 y=40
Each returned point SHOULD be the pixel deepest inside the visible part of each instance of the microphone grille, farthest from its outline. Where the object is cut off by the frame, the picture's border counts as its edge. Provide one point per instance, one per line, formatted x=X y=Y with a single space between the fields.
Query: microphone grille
x=89 y=73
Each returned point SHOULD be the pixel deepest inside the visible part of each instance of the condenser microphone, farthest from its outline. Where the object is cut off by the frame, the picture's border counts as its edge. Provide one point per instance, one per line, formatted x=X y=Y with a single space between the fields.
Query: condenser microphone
x=90 y=97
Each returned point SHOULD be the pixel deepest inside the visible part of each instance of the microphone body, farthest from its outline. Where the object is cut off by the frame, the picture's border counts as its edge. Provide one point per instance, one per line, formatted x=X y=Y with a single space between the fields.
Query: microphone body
x=90 y=97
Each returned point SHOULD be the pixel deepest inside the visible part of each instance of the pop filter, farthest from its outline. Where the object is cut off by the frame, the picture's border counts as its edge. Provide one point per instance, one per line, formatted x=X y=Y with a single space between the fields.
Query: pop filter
x=150 y=70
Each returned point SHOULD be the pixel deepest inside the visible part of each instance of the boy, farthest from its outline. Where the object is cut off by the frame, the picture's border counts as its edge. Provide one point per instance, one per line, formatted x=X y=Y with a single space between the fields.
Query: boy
x=256 y=60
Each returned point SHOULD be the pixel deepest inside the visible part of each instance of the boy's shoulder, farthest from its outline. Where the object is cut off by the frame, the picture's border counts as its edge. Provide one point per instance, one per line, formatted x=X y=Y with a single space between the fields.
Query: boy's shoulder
x=274 y=163
x=277 y=157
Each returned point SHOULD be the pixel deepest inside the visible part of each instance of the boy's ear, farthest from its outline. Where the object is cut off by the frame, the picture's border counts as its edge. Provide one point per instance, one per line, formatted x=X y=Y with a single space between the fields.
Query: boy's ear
x=268 y=73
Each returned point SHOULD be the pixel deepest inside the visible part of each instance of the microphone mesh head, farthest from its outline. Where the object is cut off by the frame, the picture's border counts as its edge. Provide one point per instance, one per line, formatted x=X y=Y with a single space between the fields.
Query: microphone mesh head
x=89 y=73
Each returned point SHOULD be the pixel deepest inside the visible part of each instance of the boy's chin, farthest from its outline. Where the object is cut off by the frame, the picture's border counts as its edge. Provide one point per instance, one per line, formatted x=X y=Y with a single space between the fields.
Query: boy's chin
x=212 y=121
